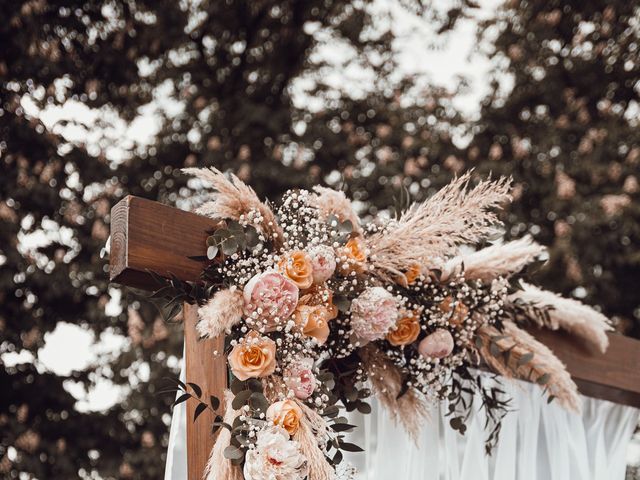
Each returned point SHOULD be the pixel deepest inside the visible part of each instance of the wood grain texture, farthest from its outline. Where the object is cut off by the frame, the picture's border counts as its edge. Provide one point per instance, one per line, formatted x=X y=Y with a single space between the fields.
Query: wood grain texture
x=146 y=235
x=209 y=372
x=613 y=376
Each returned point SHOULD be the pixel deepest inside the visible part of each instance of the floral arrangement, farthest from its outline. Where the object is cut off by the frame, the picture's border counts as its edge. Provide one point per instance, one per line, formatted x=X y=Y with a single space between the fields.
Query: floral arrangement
x=320 y=311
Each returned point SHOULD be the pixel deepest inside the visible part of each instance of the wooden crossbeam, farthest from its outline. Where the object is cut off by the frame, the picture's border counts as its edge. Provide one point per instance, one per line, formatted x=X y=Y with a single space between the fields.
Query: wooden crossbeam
x=148 y=236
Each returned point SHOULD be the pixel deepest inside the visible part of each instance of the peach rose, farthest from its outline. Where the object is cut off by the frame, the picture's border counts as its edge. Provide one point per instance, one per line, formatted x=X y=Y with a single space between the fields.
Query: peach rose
x=314 y=321
x=411 y=275
x=297 y=266
x=253 y=357
x=460 y=311
x=285 y=414
x=406 y=330
x=438 y=344
x=352 y=256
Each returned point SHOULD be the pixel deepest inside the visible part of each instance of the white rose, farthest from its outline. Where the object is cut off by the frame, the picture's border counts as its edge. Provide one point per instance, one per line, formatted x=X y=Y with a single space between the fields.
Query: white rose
x=275 y=456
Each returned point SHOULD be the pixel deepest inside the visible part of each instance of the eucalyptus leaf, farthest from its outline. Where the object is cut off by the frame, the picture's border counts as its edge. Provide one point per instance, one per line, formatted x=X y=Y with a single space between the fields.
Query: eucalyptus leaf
x=233 y=453
x=241 y=399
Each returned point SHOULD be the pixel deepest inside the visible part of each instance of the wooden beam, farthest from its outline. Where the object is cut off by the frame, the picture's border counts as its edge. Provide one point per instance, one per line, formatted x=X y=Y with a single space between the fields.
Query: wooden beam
x=149 y=236
x=613 y=376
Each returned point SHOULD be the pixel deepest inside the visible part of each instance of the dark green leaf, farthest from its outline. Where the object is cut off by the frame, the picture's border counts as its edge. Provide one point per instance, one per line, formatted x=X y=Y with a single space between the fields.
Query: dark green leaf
x=182 y=398
x=233 y=453
x=199 y=409
x=350 y=447
x=196 y=389
x=241 y=399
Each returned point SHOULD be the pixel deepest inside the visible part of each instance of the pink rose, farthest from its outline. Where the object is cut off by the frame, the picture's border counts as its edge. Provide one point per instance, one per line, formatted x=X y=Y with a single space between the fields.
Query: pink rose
x=323 y=260
x=373 y=313
x=270 y=298
x=438 y=344
x=300 y=379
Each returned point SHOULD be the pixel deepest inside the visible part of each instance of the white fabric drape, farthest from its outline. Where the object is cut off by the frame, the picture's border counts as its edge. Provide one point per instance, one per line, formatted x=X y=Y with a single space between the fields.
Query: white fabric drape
x=538 y=441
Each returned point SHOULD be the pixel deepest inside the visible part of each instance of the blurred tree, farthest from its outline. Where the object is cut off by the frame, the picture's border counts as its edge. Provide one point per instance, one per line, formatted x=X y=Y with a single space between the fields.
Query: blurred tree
x=568 y=133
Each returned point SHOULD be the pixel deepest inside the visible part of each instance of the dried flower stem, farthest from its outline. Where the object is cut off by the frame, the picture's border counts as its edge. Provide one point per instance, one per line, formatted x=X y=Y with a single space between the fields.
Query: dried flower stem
x=494 y=261
x=233 y=199
x=410 y=410
x=514 y=353
x=428 y=232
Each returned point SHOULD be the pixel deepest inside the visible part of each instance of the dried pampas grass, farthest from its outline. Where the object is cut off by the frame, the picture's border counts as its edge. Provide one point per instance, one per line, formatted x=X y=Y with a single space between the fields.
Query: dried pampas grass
x=219 y=467
x=220 y=313
x=514 y=353
x=567 y=314
x=333 y=202
x=411 y=409
x=313 y=427
x=494 y=261
x=428 y=232
x=233 y=199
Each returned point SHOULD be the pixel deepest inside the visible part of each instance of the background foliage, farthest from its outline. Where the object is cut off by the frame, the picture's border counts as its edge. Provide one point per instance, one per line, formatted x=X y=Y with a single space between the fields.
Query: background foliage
x=562 y=118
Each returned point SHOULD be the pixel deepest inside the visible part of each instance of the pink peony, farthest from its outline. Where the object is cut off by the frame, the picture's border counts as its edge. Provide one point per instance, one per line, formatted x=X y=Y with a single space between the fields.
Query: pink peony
x=270 y=298
x=438 y=344
x=323 y=260
x=300 y=379
x=373 y=313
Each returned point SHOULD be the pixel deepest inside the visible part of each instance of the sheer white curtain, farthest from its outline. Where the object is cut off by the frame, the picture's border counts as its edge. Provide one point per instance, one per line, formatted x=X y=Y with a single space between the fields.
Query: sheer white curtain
x=538 y=441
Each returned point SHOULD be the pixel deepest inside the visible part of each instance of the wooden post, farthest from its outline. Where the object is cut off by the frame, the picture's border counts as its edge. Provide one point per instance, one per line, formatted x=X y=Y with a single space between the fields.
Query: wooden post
x=210 y=373
x=146 y=235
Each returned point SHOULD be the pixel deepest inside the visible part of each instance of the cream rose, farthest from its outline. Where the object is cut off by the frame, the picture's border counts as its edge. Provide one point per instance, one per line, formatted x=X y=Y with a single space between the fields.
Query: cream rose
x=373 y=313
x=253 y=357
x=285 y=414
x=323 y=261
x=275 y=457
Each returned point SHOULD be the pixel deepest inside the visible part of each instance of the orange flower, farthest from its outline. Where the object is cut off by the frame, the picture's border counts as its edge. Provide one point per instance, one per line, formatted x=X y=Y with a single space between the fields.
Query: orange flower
x=253 y=357
x=297 y=266
x=352 y=256
x=406 y=330
x=413 y=273
x=314 y=320
x=320 y=295
x=460 y=311
x=286 y=414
